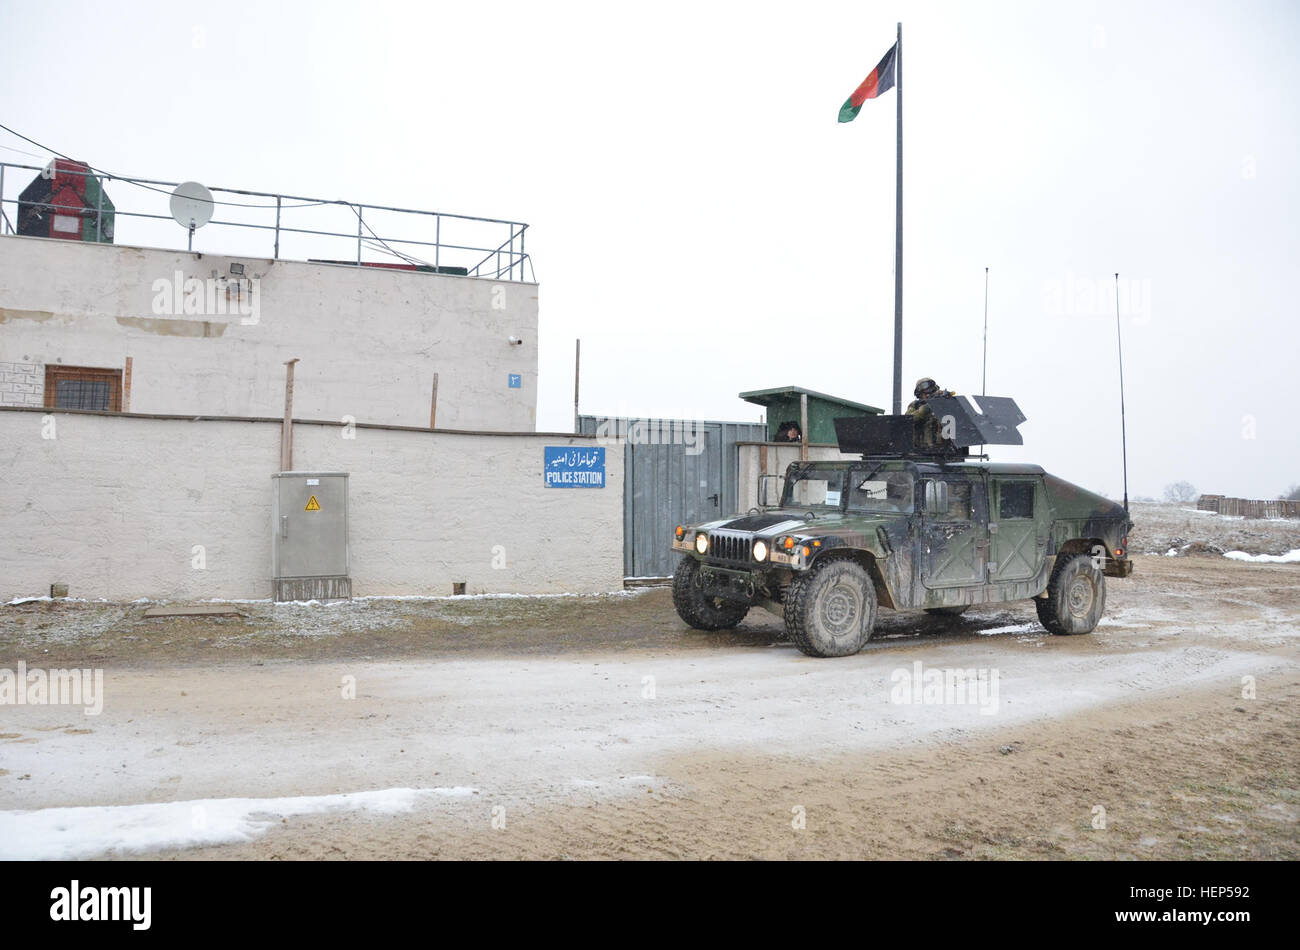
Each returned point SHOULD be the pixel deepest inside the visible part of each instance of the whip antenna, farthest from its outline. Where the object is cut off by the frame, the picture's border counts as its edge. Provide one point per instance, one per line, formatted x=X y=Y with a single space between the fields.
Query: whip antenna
x=1123 y=434
x=984 y=382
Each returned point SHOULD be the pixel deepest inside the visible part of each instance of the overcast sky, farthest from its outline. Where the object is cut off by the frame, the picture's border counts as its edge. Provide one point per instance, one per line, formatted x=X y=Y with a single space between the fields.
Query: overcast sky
x=702 y=222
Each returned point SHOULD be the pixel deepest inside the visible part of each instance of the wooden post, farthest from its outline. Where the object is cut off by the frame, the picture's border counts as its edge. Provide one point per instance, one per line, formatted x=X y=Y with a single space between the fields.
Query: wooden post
x=126 y=386
x=803 y=427
x=577 y=365
x=286 y=431
x=433 y=404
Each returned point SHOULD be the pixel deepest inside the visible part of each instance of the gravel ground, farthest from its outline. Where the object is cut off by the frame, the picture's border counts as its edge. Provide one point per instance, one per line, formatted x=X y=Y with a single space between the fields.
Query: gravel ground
x=1159 y=528
x=522 y=727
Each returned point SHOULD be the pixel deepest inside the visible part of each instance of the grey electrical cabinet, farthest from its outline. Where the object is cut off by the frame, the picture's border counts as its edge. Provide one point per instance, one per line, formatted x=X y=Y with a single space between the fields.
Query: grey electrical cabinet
x=309 y=536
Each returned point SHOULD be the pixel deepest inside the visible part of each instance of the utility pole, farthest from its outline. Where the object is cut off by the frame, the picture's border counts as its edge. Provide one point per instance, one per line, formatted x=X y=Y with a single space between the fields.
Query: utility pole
x=898 y=233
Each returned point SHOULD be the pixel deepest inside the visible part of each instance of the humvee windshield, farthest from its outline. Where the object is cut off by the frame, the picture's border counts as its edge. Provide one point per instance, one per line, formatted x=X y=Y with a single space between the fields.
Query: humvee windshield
x=817 y=486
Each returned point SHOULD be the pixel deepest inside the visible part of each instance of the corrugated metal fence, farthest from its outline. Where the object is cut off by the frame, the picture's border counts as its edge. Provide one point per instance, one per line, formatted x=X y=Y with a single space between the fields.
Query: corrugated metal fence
x=1249 y=508
x=676 y=471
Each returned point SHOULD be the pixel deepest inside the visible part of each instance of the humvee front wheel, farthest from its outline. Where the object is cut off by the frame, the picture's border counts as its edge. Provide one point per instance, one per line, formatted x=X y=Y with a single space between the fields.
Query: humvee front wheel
x=1076 y=597
x=831 y=610
x=698 y=608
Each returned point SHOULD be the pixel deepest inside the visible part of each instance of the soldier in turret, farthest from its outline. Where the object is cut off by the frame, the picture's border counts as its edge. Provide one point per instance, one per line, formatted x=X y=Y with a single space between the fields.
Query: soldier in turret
x=928 y=427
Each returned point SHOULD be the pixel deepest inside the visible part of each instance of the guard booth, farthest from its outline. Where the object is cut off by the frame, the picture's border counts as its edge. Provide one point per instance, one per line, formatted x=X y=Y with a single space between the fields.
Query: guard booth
x=309 y=536
x=768 y=460
x=787 y=405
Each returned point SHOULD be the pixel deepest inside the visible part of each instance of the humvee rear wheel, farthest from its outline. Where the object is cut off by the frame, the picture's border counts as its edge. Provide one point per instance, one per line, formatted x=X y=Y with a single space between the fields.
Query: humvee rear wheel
x=948 y=611
x=1076 y=597
x=831 y=610
x=697 y=607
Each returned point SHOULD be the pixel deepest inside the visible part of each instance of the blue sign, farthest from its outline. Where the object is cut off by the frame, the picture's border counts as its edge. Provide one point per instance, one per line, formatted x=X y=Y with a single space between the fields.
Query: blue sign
x=516 y=380
x=574 y=467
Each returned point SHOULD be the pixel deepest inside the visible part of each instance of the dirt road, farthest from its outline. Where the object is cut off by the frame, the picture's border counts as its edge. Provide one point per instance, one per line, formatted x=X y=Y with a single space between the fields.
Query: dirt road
x=602 y=727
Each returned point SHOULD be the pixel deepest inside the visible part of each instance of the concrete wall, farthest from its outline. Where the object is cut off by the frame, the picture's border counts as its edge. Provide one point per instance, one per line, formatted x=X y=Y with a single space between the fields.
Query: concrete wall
x=778 y=456
x=370 y=339
x=115 y=505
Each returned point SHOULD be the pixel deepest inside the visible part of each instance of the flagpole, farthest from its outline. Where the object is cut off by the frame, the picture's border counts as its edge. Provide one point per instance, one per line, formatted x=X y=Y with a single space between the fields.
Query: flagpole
x=898 y=232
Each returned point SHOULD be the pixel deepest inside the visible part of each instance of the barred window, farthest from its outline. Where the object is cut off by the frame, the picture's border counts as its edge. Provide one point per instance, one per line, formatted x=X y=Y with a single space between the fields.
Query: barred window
x=83 y=387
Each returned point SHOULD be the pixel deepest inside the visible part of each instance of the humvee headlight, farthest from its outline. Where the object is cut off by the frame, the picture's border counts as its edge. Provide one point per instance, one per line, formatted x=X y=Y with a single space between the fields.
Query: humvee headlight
x=681 y=532
x=807 y=551
x=702 y=543
x=760 y=551
x=787 y=542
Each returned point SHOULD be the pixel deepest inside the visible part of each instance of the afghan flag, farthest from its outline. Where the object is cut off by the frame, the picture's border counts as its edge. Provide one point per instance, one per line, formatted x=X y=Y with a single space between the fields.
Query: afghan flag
x=880 y=80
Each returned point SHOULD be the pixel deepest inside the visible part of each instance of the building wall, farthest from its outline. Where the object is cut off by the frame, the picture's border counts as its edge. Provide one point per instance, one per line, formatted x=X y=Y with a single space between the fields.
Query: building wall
x=122 y=506
x=370 y=340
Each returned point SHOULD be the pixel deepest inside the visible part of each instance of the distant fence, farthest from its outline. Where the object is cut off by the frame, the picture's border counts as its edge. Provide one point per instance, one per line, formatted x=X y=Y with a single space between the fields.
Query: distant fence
x=1249 y=508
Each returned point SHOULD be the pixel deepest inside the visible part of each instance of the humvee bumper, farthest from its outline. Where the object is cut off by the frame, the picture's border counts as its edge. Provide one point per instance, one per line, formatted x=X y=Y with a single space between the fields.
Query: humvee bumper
x=1116 y=568
x=727 y=584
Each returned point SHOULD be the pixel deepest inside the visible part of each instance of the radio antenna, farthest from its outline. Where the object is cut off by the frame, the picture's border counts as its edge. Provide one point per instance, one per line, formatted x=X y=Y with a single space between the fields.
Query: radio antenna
x=1123 y=434
x=985 y=380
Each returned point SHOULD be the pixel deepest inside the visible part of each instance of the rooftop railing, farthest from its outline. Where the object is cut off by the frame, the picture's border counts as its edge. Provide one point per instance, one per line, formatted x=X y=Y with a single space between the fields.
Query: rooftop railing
x=253 y=223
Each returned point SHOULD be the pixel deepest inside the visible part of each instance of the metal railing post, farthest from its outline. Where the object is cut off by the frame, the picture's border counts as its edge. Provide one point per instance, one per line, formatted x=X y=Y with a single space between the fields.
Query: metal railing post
x=277 y=227
x=99 y=213
x=437 y=243
x=359 y=207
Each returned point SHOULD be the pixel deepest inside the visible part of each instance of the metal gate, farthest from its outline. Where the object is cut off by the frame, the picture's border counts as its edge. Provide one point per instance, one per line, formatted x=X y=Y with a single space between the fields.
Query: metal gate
x=676 y=471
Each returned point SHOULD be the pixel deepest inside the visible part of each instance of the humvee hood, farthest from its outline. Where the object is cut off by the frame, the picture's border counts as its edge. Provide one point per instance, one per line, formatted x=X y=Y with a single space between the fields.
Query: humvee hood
x=1068 y=500
x=794 y=521
x=763 y=522
x=768 y=519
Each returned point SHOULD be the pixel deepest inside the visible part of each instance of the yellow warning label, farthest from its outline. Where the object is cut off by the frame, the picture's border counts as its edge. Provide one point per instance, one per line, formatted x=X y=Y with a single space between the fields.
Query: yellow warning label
x=312 y=504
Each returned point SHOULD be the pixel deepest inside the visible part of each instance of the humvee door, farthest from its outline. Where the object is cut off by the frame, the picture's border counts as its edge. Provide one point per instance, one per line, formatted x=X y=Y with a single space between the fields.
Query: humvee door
x=954 y=541
x=1018 y=527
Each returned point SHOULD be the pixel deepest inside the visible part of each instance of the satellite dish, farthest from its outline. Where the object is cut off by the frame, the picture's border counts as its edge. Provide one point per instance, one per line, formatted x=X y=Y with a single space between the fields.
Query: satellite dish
x=191 y=206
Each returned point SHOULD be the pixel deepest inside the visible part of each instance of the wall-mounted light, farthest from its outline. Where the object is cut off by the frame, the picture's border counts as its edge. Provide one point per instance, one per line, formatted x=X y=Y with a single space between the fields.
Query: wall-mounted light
x=515 y=341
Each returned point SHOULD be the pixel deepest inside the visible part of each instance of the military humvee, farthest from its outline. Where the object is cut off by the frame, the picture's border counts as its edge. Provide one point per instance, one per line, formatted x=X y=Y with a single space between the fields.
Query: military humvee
x=909 y=526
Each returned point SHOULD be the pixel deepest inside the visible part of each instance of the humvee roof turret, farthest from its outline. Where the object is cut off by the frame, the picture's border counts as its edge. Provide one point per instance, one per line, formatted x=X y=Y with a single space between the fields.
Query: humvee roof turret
x=908 y=526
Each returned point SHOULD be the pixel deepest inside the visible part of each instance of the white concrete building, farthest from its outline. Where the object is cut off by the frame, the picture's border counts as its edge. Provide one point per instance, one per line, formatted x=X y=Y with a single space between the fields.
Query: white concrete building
x=140 y=397
x=103 y=326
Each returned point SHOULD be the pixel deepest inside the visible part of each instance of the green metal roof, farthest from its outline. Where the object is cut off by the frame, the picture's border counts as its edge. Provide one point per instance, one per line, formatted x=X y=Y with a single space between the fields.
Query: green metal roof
x=766 y=397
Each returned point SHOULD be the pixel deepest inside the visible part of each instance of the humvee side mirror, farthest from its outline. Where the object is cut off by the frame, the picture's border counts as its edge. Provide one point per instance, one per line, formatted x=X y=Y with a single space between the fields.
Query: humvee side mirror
x=768 y=486
x=936 y=498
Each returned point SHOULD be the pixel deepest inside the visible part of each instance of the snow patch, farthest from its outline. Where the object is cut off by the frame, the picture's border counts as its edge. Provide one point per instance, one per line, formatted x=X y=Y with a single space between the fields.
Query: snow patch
x=62 y=834
x=1291 y=557
x=1013 y=628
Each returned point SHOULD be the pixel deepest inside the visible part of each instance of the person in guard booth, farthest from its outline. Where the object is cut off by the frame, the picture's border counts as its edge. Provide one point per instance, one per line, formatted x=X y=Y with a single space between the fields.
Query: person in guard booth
x=788 y=432
x=928 y=427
